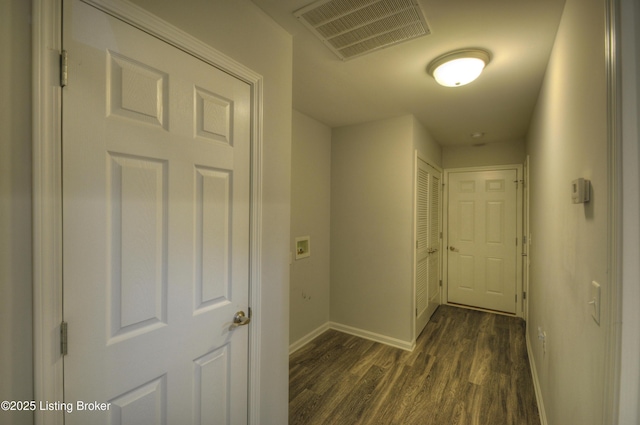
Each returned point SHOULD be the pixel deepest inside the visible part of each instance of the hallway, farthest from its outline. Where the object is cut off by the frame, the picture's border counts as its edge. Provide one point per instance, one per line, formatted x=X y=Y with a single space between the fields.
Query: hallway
x=468 y=367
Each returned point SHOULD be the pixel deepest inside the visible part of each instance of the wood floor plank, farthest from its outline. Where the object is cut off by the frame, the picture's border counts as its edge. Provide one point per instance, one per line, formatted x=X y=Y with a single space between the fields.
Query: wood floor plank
x=333 y=398
x=482 y=357
x=468 y=367
x=303 y=406
x=380 y=411
x=355 y=402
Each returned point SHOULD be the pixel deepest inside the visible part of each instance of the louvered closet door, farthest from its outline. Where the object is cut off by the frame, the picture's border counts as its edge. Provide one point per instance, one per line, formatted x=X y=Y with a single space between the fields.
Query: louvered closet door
x=428 y=246
x=156 y=150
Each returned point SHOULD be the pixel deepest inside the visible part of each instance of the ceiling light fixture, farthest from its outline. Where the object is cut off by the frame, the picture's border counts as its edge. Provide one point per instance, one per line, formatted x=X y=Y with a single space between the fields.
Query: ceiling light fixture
x=455 y=69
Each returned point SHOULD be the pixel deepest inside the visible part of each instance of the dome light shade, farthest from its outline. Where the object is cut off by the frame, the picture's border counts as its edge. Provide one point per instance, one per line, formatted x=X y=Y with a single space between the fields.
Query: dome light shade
x=458 y=68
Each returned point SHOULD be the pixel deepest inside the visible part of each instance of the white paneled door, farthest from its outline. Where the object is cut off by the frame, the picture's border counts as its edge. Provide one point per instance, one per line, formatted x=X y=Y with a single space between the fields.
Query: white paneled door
x=482 y=245
x=156 y=186
x=428 y=242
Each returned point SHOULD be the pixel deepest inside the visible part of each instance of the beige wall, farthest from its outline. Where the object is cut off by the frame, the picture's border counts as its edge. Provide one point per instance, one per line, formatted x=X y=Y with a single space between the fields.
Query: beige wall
x=371 y=227
x=567 y=140
x=372 y=172
x=16 y=370
x=382 y=151
x=310 y=216
x=426 y=145
x=500 y=153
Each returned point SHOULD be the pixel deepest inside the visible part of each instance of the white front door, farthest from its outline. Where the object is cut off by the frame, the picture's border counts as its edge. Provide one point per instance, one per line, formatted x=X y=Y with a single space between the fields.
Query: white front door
x=482 y=244
x=156 y=189
x=428 y=244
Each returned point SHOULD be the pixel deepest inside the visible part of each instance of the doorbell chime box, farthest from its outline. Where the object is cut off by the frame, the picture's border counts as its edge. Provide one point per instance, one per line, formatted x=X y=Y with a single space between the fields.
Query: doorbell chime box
x=580 y=191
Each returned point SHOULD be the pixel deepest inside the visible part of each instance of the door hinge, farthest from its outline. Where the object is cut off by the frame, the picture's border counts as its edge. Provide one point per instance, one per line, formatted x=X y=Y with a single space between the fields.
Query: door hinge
x=516 y=297
x=524 y=295
x=64 y=68
x=440 y=235
x=416 y=312
x=63 y=338
x=524 y=240
x=441 y=283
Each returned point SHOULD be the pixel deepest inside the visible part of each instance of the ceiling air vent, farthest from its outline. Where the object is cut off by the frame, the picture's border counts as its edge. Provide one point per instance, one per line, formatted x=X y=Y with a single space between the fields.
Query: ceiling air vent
x=352 y=28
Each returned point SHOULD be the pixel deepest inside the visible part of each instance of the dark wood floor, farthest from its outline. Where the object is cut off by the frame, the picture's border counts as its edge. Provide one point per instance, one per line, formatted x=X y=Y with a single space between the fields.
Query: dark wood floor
x=469 y=368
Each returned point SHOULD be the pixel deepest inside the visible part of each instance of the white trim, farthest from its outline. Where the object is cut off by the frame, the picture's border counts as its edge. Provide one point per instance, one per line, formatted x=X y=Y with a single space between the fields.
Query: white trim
x=255 y=260
x=484 y=168
x=613 y=348
x=47 y=209
x=47 y=194
x=414 y=257
x=140 y=18
x=372 y=336
x=431 y=164
x=536 y=382
x=445 y=222
x=309 y=337
x=526 y=233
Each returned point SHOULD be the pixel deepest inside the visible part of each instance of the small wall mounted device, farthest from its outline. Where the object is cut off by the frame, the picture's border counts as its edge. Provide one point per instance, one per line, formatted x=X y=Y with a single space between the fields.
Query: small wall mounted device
x=303 y=247
x=580 y=191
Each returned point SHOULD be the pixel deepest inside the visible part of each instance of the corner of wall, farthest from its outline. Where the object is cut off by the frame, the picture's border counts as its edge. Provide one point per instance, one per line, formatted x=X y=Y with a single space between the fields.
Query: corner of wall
x=309 y=291
x=427 y=146
x=16 y=304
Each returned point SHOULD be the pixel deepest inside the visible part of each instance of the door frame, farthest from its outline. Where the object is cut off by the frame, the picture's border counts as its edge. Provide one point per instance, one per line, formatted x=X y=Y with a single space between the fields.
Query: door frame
x=47 y=189
x=445 y=230
x=526 y=235
x=416 y=157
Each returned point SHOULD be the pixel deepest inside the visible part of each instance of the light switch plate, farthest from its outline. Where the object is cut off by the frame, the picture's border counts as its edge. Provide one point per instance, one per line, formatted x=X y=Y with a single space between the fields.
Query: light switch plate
x=594 y=301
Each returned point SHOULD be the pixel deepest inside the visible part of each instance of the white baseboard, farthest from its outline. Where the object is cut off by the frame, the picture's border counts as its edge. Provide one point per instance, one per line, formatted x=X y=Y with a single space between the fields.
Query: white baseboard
x=308 y=338
x=383 y=339
x=536 y=382
x=398 y=343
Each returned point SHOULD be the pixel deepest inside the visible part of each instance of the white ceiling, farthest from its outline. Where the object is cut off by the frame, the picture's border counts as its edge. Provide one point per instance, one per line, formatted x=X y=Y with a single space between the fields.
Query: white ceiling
x=391 y=82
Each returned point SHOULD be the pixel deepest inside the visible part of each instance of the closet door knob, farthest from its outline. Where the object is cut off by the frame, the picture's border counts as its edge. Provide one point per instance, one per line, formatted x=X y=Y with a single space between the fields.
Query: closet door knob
x=239 y=319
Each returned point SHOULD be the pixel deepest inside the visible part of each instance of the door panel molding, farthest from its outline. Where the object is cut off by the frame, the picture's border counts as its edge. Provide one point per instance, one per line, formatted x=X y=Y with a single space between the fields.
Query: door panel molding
x=519 y=224
x=47 y=187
